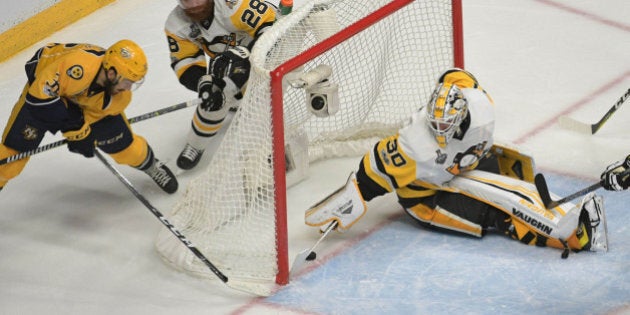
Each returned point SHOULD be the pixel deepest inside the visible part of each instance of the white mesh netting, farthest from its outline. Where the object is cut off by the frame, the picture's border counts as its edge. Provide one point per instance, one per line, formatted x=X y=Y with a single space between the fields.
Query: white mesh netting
x=384 y=73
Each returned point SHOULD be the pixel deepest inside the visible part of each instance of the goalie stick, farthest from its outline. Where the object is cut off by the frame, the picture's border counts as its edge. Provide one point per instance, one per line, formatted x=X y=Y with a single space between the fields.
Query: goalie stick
x=572 y=124
x=309 y=253
x=132 y=120
x=543 y=191
x=241 y=286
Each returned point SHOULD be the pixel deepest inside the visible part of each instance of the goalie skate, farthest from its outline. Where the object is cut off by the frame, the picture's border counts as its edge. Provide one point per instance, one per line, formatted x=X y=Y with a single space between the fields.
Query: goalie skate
x=593 y=222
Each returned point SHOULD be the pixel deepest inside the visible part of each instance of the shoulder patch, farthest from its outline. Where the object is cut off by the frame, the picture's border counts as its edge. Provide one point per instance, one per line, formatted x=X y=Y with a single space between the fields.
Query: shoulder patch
x=30 y=133
x=75 y=72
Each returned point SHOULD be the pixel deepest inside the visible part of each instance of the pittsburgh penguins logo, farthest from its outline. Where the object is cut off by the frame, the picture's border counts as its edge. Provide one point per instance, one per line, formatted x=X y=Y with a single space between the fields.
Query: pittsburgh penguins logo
x=467 y=160
x=30 y=133
x=75 y=72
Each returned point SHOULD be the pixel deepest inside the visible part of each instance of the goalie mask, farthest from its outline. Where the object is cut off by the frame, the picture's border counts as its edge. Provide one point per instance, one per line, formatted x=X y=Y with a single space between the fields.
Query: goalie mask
x=445 y=112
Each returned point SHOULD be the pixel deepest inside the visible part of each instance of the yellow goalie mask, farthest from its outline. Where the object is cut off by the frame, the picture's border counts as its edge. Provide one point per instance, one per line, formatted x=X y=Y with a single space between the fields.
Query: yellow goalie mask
x=445 y=112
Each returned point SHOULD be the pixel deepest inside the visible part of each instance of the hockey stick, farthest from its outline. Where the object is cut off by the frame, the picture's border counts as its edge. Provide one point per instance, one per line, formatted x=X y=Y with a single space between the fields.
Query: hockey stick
x=543 y=191
x=572 y=124
x=132 y=120
x=245 y=287
x=309 y=253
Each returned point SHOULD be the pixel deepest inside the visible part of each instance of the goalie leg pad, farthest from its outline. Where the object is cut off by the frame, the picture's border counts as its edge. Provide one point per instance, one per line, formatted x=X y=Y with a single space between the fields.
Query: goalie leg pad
x=592 y=231
x=346 y=206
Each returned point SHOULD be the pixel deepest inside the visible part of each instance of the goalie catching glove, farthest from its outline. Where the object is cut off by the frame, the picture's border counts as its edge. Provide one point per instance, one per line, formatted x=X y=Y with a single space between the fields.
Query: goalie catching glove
x=345 y=206
x=613 y=177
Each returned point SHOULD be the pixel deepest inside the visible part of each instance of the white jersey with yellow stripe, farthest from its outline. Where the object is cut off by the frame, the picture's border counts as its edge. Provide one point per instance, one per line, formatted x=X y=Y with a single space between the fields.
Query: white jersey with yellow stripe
x=235 y=22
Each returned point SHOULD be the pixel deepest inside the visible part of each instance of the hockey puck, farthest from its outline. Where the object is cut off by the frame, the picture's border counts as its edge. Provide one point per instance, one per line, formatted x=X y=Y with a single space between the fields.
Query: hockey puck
x=311 y=256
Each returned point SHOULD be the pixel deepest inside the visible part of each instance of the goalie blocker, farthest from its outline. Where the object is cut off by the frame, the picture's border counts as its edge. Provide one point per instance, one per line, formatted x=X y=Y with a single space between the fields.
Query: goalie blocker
x=344 y=206
x=513 y=208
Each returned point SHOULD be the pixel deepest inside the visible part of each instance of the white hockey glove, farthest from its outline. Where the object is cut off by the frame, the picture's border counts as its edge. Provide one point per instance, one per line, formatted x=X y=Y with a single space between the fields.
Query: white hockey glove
x=346 y=206
x=612 y=179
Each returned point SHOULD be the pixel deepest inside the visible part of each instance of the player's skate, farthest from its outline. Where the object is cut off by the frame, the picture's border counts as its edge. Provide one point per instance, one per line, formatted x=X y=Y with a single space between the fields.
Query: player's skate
x=162 y=176
x=593 y=222
x=189 y=157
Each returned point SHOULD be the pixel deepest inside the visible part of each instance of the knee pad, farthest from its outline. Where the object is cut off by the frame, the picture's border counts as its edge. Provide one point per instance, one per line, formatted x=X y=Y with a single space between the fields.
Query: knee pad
x=443 y=219
x=134 y=155
x=12 y=169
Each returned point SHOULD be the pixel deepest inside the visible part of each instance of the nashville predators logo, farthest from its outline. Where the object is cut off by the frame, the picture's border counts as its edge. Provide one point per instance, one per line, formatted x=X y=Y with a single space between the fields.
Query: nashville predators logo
x=30 y=133
x=125 y=53
x=75 y=72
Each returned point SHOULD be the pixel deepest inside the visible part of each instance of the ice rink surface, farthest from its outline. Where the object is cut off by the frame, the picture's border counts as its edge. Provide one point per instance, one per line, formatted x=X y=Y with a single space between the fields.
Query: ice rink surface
x=73 y=240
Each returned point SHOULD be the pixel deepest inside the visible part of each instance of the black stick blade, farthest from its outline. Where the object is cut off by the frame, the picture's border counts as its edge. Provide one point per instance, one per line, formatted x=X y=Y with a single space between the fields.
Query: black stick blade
x=543 y=190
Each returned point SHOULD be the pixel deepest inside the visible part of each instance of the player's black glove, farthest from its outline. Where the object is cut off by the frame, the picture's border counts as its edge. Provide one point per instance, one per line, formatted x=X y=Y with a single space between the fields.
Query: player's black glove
x=81 y=141
x=612 y=179
x=233 y=62
x=77 y=132
x=210 y=92
x=232 y=67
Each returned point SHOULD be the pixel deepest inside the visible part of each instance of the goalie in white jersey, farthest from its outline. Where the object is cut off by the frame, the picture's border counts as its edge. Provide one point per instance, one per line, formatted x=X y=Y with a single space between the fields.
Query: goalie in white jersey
x=449 y=175
x=224 y=32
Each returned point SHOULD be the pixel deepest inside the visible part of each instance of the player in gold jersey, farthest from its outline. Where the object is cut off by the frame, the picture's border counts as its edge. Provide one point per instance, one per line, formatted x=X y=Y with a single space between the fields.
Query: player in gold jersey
x=222 y=32
x=449 y=175
x=82 y=90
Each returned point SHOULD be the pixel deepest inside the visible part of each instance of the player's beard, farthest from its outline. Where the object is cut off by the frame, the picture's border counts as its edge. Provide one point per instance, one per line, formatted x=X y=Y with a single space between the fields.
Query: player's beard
x=109 y=86
x=202 y=12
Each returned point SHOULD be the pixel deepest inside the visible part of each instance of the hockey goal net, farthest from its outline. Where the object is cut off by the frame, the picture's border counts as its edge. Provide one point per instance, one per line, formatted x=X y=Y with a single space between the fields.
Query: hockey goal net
x=385 y=57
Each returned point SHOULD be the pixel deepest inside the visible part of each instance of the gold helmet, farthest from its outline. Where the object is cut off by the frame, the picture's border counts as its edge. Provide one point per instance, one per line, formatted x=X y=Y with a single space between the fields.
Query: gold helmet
x=128 y=59
x=445 y=112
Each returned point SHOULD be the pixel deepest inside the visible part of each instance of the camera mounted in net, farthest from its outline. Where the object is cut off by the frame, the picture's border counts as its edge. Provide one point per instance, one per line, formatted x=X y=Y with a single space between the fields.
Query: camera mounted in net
x=322 y=95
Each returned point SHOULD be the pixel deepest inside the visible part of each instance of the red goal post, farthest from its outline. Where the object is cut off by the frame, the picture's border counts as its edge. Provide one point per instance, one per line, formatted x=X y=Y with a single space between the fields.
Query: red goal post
x=277 y=75
x=384 y=61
